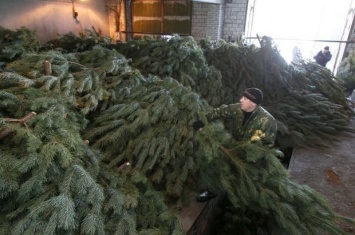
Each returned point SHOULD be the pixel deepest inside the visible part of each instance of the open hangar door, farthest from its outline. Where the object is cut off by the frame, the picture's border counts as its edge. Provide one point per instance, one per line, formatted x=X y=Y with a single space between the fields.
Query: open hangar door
x=311 y=25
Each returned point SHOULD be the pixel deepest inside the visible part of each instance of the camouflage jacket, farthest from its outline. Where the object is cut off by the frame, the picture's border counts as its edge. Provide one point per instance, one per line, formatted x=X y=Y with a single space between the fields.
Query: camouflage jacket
x=260 y=126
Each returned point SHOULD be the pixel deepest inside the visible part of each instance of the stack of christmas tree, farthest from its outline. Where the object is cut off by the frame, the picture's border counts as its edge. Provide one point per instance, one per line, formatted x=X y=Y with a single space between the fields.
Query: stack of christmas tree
x=98 y=138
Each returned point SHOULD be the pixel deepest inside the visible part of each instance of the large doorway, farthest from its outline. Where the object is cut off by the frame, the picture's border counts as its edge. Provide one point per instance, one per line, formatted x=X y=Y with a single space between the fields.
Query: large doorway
x=311 y=25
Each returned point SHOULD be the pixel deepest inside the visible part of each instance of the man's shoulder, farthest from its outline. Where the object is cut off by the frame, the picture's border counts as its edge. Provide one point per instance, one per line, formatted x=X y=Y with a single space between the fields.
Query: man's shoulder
x=263 y=112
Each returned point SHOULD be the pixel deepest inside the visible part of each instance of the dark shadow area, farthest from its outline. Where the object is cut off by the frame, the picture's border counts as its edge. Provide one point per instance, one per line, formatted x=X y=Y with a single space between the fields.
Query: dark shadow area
x=287 y=158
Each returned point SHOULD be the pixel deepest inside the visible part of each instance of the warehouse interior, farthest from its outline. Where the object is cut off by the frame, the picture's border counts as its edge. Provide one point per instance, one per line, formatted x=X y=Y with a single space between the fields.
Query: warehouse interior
x=103 y=104
x=313 y=27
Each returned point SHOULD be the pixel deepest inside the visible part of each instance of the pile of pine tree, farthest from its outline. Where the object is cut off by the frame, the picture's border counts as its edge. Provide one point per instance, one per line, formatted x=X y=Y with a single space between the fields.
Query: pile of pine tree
x=219 y=72
x=307 y=100
x=96 y=141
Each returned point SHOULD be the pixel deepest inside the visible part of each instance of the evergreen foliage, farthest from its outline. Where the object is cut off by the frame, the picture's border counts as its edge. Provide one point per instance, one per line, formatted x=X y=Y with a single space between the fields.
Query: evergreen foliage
x=346 y=72
x=180 y=58
x=54 y=183
x=259 y=196
x=14 y=43
x=65 y=170
x=236 y=65
x=151 y=129
x=307 y=100
x=69 y=42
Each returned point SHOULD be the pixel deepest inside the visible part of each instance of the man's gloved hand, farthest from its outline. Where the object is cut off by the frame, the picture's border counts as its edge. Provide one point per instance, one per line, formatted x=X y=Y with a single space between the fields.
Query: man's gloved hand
x=197 y=125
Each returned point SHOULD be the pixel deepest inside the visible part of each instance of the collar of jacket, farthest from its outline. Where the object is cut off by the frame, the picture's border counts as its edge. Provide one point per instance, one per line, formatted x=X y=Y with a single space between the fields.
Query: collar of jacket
x=253 y=114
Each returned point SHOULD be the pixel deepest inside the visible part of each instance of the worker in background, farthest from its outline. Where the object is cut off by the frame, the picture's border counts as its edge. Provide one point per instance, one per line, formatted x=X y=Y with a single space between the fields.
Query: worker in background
x=323 y=56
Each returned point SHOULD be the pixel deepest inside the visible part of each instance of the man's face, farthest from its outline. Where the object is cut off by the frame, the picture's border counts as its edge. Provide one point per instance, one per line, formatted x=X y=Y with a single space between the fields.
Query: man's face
x=247 y=105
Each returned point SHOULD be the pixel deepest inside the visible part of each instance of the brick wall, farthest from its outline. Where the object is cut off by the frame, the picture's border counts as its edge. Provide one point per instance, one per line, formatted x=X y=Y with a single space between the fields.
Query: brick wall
x=216 y=21
x=206 y=20
x=234 y=19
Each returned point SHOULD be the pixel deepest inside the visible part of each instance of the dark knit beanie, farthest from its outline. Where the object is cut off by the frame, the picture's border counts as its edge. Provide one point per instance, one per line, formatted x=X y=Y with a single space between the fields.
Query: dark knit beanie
x=254 y=94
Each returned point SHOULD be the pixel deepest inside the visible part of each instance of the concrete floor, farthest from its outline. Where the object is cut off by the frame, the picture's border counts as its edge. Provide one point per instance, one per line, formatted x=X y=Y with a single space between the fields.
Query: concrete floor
x=188 y=215
x=330 y=171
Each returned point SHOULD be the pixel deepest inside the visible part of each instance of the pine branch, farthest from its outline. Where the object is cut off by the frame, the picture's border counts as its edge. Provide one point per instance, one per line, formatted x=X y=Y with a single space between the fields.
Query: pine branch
x=255 y=182
x=4 y=131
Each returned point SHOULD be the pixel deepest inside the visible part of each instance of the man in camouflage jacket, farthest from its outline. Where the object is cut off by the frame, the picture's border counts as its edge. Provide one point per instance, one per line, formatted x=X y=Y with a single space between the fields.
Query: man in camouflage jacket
x=248 y=120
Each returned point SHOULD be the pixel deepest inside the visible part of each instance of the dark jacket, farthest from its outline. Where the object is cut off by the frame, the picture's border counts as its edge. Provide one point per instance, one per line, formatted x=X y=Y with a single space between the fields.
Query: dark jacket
x=322 y=58
x=260 y=126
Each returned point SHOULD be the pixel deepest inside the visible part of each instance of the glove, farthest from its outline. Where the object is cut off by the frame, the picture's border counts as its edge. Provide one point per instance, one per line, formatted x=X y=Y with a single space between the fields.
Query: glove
x=197 y=125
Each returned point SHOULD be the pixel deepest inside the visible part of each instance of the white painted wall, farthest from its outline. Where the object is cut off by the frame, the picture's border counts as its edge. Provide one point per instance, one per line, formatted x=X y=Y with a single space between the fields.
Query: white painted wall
x=52 y=17
x=49 y=18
